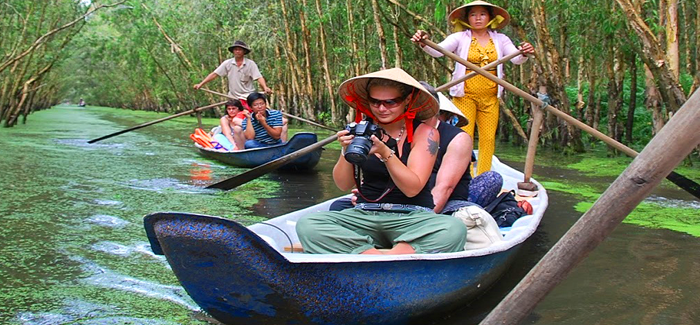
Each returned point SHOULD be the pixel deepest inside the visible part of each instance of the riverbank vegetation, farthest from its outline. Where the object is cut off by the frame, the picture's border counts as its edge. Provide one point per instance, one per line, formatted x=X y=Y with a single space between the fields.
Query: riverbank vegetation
x=623 y=67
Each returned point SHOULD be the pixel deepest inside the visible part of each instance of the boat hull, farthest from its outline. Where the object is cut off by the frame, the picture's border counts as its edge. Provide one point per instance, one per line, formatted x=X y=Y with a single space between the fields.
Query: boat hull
x=250 y=158
x=247 y=275
x=236 y=277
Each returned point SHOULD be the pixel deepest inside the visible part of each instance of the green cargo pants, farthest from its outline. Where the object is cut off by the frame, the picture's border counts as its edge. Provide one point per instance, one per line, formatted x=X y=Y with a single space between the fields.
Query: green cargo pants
x=354 y=231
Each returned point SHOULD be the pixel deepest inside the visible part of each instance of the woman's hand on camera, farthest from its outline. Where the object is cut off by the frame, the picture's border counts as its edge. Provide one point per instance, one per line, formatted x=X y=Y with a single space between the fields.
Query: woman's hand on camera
x=379 y=147
x=344 y=138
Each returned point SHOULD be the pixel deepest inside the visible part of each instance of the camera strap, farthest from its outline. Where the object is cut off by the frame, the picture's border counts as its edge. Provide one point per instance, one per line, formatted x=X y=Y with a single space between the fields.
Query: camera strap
x=358 y=184
x=357 y=171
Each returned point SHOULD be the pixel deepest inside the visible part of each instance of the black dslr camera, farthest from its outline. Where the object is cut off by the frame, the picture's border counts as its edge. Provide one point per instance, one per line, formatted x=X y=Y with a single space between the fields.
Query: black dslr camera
x=356 y=153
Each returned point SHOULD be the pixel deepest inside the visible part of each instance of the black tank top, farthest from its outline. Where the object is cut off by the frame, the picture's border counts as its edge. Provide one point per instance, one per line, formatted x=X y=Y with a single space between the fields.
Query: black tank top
x=376 y=179
x=447 y=133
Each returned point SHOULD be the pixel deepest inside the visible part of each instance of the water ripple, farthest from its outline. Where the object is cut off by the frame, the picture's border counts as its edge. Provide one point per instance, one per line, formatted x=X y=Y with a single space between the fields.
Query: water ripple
x=159 y=185
x=83 y=143
x=673 y=203
x=108 y=221
x=103 y=277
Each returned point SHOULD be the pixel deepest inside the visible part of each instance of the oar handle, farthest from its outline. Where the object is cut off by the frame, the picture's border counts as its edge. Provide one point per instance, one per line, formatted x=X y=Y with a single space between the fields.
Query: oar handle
x=198 y=109
x=599 y=135
x=472 y=74
x=217 y=93
x=283 y=113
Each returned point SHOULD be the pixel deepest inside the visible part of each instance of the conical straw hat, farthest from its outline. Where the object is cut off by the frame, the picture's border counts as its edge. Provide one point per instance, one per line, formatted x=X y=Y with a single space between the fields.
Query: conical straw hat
x=354 y=92
x=448 y=106
x=461 y=12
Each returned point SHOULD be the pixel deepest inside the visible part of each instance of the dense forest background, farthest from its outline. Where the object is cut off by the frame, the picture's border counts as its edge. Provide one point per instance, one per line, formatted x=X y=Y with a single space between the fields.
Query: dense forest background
x=623 y=67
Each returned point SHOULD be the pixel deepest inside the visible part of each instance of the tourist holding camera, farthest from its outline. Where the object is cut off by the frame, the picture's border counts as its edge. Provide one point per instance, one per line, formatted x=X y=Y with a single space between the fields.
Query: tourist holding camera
x=390 y=163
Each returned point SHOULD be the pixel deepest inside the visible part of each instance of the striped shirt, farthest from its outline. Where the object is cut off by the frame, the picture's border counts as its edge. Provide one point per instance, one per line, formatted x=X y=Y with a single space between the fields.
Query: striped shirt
x=274 y=119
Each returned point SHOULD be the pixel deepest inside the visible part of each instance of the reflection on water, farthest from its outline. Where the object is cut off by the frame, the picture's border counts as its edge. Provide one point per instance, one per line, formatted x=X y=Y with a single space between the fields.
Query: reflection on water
x=73 y=249
x=201 y=173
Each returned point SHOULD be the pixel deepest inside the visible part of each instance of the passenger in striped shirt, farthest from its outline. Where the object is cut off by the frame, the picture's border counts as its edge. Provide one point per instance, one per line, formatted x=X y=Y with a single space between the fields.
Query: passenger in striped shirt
x=263 y=126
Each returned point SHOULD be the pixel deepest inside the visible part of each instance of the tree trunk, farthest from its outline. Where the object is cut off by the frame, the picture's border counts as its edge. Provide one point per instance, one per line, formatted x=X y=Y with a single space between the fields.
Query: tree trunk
x=550 y=61
x=291 y=59
x=398 y=53
x=380 y=34
x=335 y=116
x=588 y=115
x=616 y=74
x=596 y=112
x=513 y=120
x=580 y=75
x=308 y=89
x=629 y=127
x=653 y=55
x=696 y=47
x=282 y=86
x=653 y=101
x=354 y=60
x=672 y=54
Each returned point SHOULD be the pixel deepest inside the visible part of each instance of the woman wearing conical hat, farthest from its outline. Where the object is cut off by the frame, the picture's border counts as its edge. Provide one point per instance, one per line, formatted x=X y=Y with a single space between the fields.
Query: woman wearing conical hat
x=477 y=40
x=394 y=209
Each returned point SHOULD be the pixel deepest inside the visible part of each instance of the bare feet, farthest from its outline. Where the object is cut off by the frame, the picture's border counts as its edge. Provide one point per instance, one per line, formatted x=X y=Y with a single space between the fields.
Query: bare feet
x=400 y=248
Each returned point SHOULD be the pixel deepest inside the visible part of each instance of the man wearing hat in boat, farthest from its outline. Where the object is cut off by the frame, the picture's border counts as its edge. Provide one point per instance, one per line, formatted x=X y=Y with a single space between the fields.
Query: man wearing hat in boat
x=240 y=72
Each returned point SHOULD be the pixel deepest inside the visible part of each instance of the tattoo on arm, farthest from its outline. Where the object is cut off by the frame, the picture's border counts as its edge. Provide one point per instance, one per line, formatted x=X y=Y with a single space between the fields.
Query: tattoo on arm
x=433 y=145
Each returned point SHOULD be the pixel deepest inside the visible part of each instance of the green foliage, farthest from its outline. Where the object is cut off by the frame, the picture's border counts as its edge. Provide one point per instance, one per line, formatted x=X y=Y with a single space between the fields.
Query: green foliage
x=122 y=57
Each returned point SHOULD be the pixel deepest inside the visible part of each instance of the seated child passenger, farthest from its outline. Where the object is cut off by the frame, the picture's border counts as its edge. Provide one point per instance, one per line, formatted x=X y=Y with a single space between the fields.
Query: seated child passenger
x=234 y=116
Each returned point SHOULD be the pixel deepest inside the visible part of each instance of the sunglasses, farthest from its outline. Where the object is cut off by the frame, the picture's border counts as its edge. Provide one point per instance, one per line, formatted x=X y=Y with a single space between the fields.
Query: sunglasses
x=388 y=103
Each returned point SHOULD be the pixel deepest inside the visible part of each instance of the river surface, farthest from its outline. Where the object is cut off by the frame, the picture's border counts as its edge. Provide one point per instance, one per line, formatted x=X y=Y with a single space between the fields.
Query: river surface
x=73 y=249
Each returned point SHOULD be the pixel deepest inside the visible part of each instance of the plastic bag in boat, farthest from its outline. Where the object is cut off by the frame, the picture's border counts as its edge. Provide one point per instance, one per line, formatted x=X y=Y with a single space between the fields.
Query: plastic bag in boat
x=482 y=230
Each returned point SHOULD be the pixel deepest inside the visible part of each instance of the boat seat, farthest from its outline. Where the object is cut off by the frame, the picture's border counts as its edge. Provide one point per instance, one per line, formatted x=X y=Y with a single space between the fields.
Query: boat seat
x=296 y=248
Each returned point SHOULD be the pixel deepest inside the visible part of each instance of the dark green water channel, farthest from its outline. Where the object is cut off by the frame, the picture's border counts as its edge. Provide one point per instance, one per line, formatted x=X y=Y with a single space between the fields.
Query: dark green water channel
x=73 y=249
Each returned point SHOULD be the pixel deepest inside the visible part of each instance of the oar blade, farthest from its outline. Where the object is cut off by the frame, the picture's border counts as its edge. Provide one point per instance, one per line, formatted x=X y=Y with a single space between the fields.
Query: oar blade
x=685 y=183
x=263 y=169
x=196 y=110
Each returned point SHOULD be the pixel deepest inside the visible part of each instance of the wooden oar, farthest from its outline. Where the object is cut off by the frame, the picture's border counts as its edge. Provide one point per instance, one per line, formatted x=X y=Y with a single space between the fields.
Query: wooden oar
x=283 y=113
x=526 y=187
x=680 y=180
x=263 y=169
x=156 y=121
x=472 y=74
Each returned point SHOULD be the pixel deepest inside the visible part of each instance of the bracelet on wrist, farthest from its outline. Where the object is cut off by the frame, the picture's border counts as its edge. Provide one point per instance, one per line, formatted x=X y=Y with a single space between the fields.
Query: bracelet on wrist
x=384 y=160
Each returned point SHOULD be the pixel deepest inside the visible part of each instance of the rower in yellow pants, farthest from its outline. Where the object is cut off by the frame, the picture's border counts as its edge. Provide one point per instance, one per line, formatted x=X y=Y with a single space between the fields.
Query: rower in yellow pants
x=480 y=105
x=483 y=111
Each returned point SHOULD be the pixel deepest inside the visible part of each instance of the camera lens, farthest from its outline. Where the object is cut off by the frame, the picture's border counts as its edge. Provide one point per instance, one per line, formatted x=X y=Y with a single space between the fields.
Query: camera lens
x=358 y=150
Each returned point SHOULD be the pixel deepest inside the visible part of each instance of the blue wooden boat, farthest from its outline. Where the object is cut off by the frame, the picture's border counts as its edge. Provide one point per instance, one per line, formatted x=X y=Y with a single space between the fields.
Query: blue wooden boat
x=250 y=158
x=244 y=275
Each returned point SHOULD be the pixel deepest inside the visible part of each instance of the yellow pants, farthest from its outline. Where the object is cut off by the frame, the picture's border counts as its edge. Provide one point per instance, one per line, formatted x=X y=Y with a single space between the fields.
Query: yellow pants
x=482 y=111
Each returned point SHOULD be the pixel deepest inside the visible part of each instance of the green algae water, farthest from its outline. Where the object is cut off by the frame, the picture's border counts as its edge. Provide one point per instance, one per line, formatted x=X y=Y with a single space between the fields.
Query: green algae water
x=73 y=249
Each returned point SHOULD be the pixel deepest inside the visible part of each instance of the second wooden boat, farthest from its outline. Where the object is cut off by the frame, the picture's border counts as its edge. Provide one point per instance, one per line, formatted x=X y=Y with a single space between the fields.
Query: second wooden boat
x=250 y=158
